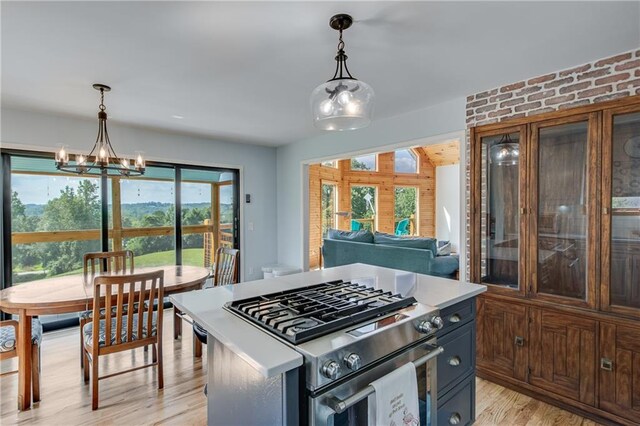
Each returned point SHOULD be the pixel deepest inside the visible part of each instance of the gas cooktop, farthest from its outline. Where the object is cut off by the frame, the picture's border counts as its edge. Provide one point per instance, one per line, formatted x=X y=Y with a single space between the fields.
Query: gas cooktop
x=302 y=314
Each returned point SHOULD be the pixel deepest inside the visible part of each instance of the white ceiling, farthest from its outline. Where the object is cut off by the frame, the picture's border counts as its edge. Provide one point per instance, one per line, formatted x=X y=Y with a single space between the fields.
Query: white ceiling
x=243 y=71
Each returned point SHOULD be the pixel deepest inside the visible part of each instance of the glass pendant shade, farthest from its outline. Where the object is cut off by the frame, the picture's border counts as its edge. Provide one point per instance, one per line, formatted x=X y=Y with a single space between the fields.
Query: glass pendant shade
x=345 y=104
x=505 y=153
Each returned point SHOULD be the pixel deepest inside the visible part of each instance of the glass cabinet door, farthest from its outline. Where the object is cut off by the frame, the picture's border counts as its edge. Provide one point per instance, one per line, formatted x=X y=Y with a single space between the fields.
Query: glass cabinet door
x=621 y=221
x=562 y=204
x=498 y=199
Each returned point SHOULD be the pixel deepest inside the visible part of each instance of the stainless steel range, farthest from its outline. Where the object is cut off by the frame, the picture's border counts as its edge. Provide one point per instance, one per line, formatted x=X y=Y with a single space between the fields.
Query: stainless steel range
x=349 y=335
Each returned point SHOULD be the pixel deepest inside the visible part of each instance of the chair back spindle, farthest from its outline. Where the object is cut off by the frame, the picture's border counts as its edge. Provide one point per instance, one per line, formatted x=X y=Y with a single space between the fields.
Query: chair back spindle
x=110 y=262
x=226 y=271
x=134 y=297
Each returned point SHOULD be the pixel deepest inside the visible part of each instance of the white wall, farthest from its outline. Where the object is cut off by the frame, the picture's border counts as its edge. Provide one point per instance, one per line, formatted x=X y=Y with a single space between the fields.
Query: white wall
x=440 y=119
x=42 y=131
x=448 y=204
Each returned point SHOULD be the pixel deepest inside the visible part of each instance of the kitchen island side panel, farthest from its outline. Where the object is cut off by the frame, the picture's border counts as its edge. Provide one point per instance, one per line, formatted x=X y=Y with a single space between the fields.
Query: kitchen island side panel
x=239 y=395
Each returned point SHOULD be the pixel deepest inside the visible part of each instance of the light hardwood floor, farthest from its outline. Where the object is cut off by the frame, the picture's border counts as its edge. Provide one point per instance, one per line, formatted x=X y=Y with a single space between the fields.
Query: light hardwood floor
x=134 y=399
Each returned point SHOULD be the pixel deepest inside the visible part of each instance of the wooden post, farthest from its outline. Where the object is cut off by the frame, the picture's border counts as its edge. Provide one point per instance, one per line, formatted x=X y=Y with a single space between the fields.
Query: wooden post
x=116 y=212
x=412 y=221
x=215 y=214
x=207 y=243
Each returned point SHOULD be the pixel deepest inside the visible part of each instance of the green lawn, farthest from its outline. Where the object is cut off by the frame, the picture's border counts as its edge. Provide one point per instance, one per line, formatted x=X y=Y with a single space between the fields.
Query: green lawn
x=192 y=256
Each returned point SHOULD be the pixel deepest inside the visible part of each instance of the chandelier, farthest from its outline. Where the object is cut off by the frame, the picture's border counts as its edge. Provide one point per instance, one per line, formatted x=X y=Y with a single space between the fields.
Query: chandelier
x=102 y=156
x=342 y=103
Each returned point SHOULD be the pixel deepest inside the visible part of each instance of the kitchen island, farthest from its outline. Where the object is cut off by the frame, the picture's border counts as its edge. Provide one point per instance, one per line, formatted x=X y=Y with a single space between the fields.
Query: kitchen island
x=257 y=378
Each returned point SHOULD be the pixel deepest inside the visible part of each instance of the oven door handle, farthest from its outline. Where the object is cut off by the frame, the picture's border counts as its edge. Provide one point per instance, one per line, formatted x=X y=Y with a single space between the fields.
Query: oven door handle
x=340 y=405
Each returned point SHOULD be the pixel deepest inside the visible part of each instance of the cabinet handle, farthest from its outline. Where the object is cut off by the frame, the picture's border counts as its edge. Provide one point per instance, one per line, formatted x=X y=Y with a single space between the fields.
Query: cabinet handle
x=523 y=210
x=605 y=210
x=519 y=341
x=454 y=318
x=454 y=361
x=454 y=419
x=606 y=364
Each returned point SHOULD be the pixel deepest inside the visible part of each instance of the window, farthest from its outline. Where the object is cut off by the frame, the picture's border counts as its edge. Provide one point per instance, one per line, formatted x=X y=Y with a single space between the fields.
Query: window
x=147 y=216
x=329 y=207
x=330 y=163
x=364 y=163
x=406 y=200
x=57 y=217
x=405 y=161
x=363 y=208
x=44 y=200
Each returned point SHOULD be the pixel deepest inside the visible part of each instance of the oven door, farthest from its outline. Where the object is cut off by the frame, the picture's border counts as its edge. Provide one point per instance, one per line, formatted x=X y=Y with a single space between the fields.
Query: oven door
x=347 y=402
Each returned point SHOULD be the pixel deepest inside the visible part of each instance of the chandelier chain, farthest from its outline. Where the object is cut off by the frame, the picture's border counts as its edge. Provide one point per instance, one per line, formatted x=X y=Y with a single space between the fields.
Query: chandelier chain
x=101 y=106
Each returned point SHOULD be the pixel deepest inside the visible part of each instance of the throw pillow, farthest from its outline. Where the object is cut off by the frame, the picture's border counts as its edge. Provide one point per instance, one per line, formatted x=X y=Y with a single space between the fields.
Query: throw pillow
x=444 y=248
x=424 y=243
x=362 y=236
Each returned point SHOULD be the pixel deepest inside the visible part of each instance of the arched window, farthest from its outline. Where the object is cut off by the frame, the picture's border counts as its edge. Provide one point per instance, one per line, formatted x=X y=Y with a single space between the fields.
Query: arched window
x=406 y=161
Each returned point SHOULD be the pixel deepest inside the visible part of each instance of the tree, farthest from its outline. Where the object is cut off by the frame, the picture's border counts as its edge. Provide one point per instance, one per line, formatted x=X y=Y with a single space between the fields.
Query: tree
x=24 y=255
x=360 y=208
x=405 y=203
x=72 y=210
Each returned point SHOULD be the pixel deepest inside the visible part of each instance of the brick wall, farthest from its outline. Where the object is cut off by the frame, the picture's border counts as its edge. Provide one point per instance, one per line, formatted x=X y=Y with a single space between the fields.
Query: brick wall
x=598 y=81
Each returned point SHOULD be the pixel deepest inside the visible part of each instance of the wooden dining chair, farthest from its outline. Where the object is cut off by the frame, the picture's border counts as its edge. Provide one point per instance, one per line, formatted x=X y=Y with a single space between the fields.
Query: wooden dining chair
x=225 y=272
x=9 y=349
x=100 y=262
x=124 y=327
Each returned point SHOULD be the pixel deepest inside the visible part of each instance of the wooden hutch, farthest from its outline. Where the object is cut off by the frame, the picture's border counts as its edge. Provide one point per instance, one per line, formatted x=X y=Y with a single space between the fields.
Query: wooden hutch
x=555 y=234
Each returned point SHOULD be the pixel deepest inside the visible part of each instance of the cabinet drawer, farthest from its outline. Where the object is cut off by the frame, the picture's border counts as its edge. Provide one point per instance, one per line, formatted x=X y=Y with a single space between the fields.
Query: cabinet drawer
x=458 y=359
x=456 y=315
x=458 y=406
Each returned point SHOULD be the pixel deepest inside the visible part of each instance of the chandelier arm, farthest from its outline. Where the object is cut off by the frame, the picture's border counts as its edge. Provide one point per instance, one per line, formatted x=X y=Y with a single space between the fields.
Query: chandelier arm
x=335 y=74
x=347 y=70
x=110 y=151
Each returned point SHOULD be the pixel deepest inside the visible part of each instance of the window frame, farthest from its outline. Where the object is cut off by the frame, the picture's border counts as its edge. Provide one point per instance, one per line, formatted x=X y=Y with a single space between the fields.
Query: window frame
x=411 y=152
x=375 y=162
x=416 y=213
x=7 y=249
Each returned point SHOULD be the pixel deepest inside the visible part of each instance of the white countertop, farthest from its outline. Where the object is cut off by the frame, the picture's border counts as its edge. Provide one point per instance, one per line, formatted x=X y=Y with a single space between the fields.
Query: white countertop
x=272 y=357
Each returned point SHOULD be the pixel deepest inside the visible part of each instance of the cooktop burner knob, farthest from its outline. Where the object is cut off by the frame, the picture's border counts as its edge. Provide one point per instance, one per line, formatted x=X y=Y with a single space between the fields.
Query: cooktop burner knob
x=437 y=322
x=425 y=327
x=353 y=362
x=330 y=370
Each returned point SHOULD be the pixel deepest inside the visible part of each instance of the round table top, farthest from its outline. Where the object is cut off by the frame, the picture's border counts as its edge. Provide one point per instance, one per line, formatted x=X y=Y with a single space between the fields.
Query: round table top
x=72 y=293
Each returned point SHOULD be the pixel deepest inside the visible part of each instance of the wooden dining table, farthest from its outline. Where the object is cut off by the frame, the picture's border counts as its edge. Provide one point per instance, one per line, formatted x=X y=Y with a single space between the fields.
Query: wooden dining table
x=72 y=293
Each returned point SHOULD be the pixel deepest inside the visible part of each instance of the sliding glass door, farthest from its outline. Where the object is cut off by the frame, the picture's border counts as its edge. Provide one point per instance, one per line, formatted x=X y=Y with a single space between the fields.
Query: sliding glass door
x=209 y=214
x=173 y=214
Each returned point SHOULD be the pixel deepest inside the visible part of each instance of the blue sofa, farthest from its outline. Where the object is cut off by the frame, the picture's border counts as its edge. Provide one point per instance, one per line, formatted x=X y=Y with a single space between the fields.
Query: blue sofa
x=407 y=254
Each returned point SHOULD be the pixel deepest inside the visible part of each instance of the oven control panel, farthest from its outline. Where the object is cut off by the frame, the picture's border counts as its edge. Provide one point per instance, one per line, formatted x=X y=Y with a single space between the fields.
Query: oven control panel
x=350 y=352
x=430 y=325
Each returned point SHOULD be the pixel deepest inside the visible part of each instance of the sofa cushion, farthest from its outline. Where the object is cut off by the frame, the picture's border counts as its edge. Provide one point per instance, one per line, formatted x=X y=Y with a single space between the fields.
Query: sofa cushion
x=445 y=266
x=424 y=243
x=362 y=236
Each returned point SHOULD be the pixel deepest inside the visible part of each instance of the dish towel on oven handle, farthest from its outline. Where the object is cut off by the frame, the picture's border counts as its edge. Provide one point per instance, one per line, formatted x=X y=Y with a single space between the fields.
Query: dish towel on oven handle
x=395 y=401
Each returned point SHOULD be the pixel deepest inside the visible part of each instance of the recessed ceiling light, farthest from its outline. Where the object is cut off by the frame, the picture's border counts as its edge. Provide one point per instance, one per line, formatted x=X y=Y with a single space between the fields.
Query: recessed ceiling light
x=177 y=117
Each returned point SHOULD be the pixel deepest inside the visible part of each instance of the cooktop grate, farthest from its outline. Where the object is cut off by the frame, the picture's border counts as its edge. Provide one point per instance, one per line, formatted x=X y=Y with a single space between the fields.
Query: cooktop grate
x=302 y=314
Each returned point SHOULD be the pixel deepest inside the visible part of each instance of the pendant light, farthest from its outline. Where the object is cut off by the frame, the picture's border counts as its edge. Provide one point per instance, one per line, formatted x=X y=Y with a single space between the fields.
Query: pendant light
x=343 y=102
x=102 y=158
x=506 y=152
